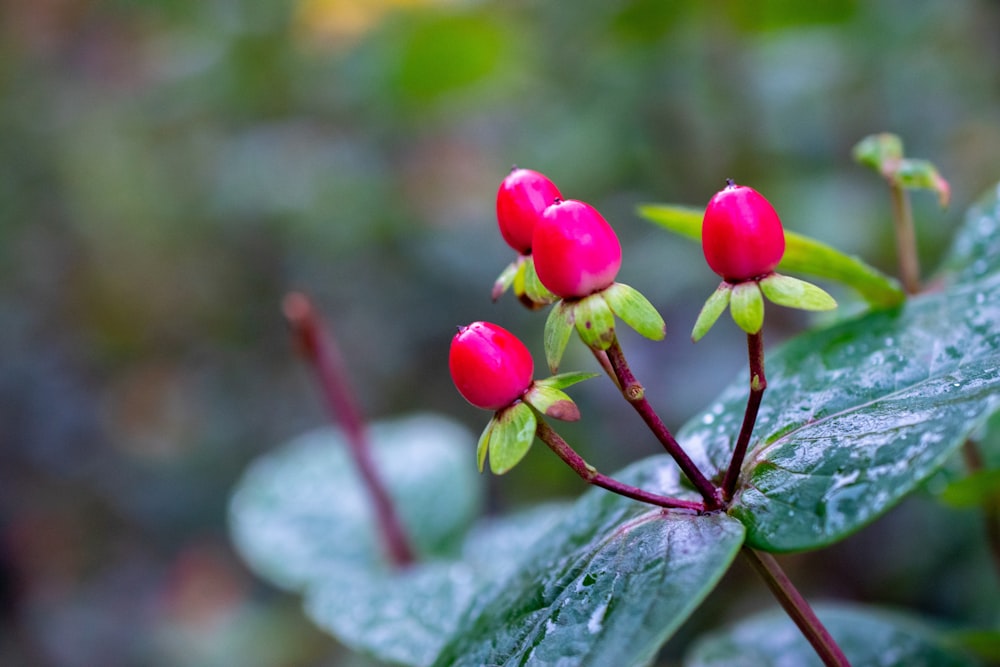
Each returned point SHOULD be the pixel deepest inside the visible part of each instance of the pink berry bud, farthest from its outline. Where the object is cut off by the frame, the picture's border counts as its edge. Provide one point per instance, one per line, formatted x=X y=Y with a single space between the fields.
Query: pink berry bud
x=576 y=251
x=741 y=234
x=490 y=366
x=522 y=197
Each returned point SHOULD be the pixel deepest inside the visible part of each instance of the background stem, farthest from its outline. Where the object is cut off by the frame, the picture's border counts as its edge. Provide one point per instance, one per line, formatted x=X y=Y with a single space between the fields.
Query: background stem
x=634 y=393
x=906 y=239
x=320 y=350
x=991 y=506
x=796 y=607
x=758 y=383
x=562 y=449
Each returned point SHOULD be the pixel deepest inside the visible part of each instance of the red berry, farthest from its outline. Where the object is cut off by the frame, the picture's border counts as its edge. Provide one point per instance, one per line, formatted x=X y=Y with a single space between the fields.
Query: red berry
x=741 y=234
x=576 y=251
x=489 y=365
x=522 y=197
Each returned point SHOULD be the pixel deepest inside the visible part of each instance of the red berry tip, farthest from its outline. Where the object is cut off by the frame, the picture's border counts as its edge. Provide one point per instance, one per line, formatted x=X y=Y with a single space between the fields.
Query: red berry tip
x=490 y=366
x=523 y=196
x=741 y=234
x=576 y=251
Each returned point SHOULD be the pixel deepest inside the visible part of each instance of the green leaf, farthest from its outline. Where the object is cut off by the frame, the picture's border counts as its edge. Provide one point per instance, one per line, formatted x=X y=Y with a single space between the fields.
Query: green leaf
x=558 y=329
x=607 y=586
x=922 y=175
x=867 y=636
x=302 y=511
x=975 y=252
x=512 y=436
x=857 y=415
x=795 y=293
x=747 y=307
x=564 y=380
x=552 y=402
x=802 y=255
x=407 y=616
x=635 y=310
x=811 y=257
x=594 y=322
x=710 y=312
x=879 y=151
x=975 y=490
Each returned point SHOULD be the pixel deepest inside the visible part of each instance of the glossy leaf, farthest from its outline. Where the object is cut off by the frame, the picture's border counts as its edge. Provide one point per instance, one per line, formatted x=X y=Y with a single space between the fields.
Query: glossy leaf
x=607 y=586
x=301 y=512
x=868 y=637
x=635 y=310
x=406 y=617
x=802 y=255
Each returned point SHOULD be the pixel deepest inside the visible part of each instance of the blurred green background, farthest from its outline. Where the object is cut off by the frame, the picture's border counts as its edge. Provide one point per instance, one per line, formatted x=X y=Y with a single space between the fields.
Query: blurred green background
x=170 y=168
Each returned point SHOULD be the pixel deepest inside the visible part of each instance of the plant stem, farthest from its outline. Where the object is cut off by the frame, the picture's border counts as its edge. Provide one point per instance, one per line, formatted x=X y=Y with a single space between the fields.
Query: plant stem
x=991 y=505
x=602 y=359
x=635 y=394
x=562 y=449
x=320 y=350
x=796 y=607
x=758 y=383
x=906 y=238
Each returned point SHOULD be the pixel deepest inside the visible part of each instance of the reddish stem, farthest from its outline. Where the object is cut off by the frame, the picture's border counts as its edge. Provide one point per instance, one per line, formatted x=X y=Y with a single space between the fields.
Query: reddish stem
x=321 y=352
x=555 y=442
x=991 y=506
x=797 y=607
x=635 y=394
x=758 y=383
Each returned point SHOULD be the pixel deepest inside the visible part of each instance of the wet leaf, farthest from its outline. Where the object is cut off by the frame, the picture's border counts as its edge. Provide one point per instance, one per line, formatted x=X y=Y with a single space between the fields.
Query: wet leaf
x=607 y=586
x=867 y=636
x=301 y=512
x=857 y=415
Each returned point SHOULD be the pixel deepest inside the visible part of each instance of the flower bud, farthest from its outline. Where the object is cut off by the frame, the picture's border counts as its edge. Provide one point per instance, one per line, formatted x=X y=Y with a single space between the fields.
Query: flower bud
x=576 y=251
x=521 y=199
x=489 y=365
x=741 y=234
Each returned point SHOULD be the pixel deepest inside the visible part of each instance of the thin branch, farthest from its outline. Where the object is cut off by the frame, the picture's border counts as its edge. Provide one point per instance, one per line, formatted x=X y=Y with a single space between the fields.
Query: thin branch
x=758 y=383
x=635 y=394
x=906 y=239
x=562 y=449
x=796 y=607
x=320 y=351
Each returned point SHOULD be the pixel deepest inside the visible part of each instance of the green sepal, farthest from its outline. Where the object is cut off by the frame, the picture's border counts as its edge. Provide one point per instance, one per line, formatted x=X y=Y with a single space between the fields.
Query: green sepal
x=552 y=402
x=511 y=437
x=802 y=255
x=533 y=288
x=795 y=293
x=710 y=312
x=564 y=380
x=747 y=306
x=635 y=310
x=484 y=443
x=558 y=328
x=506 y=278
x=594 y=322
